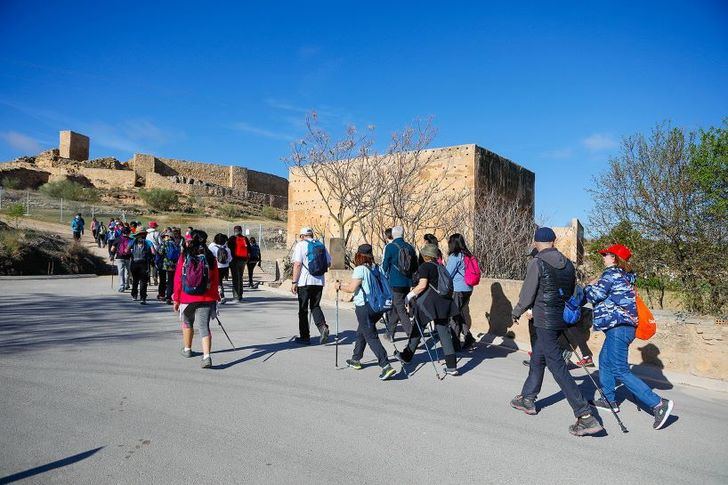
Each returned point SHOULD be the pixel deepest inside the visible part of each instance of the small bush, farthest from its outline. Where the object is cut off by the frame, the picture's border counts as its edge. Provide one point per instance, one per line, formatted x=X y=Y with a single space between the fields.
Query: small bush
x=10 y=183
x=229 y=211
x=270 y=213
x=15 y=212
x=159 y=199
x=70 y=190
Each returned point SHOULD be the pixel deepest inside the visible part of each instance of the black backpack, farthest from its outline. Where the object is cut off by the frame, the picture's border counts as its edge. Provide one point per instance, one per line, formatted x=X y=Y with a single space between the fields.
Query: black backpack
x=404 y=261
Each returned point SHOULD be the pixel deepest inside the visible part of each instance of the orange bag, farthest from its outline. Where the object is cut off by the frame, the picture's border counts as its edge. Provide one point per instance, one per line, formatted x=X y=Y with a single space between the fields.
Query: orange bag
x=646 y=326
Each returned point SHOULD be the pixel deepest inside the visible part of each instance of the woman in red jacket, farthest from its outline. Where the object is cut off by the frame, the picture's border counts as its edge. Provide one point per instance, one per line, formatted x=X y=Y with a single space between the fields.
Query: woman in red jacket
x=195 y=293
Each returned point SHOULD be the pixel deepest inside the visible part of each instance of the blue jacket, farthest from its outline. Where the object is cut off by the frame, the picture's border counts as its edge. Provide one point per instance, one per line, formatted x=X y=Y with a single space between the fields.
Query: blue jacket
x=456 y=268
x=77 y=225
x=613 y=298
x=389 y=264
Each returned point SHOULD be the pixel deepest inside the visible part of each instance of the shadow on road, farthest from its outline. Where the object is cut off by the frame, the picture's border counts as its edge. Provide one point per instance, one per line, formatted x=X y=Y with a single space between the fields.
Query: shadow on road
x=49 y=466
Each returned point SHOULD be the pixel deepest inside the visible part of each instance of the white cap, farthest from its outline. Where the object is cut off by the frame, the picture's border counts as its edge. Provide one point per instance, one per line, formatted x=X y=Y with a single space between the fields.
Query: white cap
x=306 y=231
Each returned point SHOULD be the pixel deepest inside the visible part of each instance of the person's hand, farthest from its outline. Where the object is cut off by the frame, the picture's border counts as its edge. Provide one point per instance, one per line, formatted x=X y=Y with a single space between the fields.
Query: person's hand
x=529 y=314
x=294 y=288
x=175 y=307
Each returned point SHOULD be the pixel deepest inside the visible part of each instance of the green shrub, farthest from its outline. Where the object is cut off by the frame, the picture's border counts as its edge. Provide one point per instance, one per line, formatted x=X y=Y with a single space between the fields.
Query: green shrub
x=15 y=212
x=159 y=199
x=229 y=211
x=10 y=182
x=270 y=213
x=70 y=190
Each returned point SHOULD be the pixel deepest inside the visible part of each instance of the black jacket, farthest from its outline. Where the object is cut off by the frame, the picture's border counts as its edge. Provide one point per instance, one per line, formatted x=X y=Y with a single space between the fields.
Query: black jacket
x=550 y=281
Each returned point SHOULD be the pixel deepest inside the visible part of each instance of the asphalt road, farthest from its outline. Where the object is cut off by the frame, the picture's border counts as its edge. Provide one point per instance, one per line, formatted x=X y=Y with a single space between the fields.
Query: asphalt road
x=94 y=390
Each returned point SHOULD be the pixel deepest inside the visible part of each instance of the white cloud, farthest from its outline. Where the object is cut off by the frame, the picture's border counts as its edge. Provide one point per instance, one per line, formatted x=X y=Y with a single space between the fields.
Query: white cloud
x=559 y=153
x=598 y=142
x=248 y=128
x=20 y=142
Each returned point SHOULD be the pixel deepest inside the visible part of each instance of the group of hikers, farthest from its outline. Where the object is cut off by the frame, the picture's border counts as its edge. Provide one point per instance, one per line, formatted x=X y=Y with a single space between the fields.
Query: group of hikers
x=415 y=292
x=434 y=290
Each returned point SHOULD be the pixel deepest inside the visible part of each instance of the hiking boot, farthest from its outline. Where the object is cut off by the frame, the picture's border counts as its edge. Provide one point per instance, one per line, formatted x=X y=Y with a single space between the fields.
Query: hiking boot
x=187 y=353
x=354 y=364
x=387 y=372
x=585 y=425
x=398 y=355
x=206 y=363
x=662 y=412
x=324 y=334
x=585 y=362
x=603 y=404
x=524 y=404
x=469 y=343
x=302 y=341
x=451 y=371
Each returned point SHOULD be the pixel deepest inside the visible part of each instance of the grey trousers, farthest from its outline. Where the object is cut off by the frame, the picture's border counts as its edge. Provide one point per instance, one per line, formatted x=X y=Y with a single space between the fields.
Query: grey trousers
x=398 y=313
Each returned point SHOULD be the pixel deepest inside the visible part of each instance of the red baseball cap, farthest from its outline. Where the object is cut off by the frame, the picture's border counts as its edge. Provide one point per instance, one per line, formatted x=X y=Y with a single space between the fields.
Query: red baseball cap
x=153 y=224
x=619 y=250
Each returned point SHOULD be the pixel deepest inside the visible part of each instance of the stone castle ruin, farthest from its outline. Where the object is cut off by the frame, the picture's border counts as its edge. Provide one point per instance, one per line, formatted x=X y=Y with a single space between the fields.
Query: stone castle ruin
x=71 y=161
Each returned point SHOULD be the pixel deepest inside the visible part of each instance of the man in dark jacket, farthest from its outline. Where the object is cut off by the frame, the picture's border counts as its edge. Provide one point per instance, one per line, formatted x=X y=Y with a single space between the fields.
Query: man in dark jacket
x=400 y=280
x=550 y=281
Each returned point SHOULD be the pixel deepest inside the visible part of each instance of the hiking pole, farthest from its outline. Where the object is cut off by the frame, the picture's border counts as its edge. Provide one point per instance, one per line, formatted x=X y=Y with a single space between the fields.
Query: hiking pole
x=599 y=388
x=336 y=345
x=434 y=332
x=428 y=348
x=224 y=331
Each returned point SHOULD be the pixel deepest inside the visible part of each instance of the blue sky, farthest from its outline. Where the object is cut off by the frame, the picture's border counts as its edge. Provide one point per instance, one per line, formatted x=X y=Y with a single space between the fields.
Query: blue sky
x=550 y=85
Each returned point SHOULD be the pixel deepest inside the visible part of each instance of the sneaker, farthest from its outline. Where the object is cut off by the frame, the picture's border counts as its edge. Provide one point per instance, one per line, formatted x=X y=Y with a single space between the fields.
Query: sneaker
x=324 y=334
x=451 y=371
x=387 y=372
x=186 y=353
x=586 y=362
x=135 y=298
x=240 y=299
x=206 y=363
x=302 y=341
x=662 y=412
x=121 y=290
x=603 y=404
x=354 y=364
x=143 y=302
x=585 y=425
x=524 y=404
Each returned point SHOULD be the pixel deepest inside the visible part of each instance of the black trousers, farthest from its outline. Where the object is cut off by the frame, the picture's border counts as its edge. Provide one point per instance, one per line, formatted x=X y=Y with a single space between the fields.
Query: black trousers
x=398 y=313
x=139 y=278
x=169 y=291
x=162 y=287
x=547 y=353
x=443 y=331
x=222 y=274
x=366 y=333
x=309 y=297
x=237 y=266
x=251 y=267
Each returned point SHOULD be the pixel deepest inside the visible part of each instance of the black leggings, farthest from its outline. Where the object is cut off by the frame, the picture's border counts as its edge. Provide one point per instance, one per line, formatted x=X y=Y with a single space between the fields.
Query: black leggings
x=443 y=331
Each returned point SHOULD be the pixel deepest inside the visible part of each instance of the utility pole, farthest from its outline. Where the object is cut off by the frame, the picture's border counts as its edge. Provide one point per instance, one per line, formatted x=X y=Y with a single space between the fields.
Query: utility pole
x=61 y=210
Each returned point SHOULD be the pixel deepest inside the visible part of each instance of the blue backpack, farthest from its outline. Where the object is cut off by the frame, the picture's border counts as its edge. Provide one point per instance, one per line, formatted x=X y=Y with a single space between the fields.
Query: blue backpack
x=572 y=306
x=318 y=263
x=172 y=251
x=380 y=295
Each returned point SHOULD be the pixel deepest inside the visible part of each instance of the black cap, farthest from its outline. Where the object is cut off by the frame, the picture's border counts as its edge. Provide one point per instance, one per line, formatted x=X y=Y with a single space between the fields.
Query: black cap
x=364 y=249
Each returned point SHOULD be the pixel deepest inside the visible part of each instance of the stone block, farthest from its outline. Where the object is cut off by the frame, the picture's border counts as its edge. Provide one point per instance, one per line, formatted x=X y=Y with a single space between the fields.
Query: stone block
x=337 y=249
x=74 y=145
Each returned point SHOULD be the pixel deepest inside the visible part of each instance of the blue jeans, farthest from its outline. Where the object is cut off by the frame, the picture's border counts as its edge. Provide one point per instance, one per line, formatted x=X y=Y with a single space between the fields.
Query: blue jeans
x=613 y=366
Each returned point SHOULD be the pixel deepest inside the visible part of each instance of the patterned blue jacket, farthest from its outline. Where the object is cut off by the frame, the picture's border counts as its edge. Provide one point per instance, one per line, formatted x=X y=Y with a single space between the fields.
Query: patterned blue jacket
x=613 y=297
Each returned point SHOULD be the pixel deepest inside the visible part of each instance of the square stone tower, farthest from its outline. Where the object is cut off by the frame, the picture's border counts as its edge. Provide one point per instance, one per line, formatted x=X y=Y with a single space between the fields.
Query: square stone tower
x=74 y=145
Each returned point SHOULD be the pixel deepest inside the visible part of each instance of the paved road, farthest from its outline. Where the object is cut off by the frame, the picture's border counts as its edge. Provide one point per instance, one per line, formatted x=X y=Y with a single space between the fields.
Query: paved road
x=94 y=391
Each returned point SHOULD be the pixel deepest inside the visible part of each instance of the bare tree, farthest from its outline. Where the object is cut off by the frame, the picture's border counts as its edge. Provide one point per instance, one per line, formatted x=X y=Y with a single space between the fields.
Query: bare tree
x=502 y=231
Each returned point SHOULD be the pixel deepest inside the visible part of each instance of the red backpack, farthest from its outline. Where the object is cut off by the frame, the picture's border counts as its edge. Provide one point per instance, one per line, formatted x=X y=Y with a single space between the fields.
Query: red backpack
x=472 y=271
x=241 y=247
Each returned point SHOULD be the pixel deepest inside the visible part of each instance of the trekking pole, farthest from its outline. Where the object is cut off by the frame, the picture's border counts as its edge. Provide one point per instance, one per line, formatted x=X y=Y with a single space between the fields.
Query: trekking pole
x=601 y=392
x=427 y=347
x=433 y=332
x=224 y=331
x=336 y=352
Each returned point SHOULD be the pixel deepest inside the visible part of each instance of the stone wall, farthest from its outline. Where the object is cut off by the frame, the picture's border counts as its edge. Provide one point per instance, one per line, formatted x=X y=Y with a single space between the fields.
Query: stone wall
x=110 y=178
x=143 y=164
x=266 y=183
x=25 y=178
x=570 y=241
x=208 y=172
x=238 y=179
x=508 y=179
x=157 y=181
x=74 y=146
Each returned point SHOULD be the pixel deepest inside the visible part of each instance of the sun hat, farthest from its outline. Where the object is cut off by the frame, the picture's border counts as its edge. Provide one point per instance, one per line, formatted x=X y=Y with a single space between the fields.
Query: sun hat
x=617 y=249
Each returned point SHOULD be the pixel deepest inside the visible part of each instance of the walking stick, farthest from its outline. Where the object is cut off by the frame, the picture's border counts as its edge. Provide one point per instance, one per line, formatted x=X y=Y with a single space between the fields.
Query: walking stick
x=224 y=331
x=337 y=325
x=601 y=393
